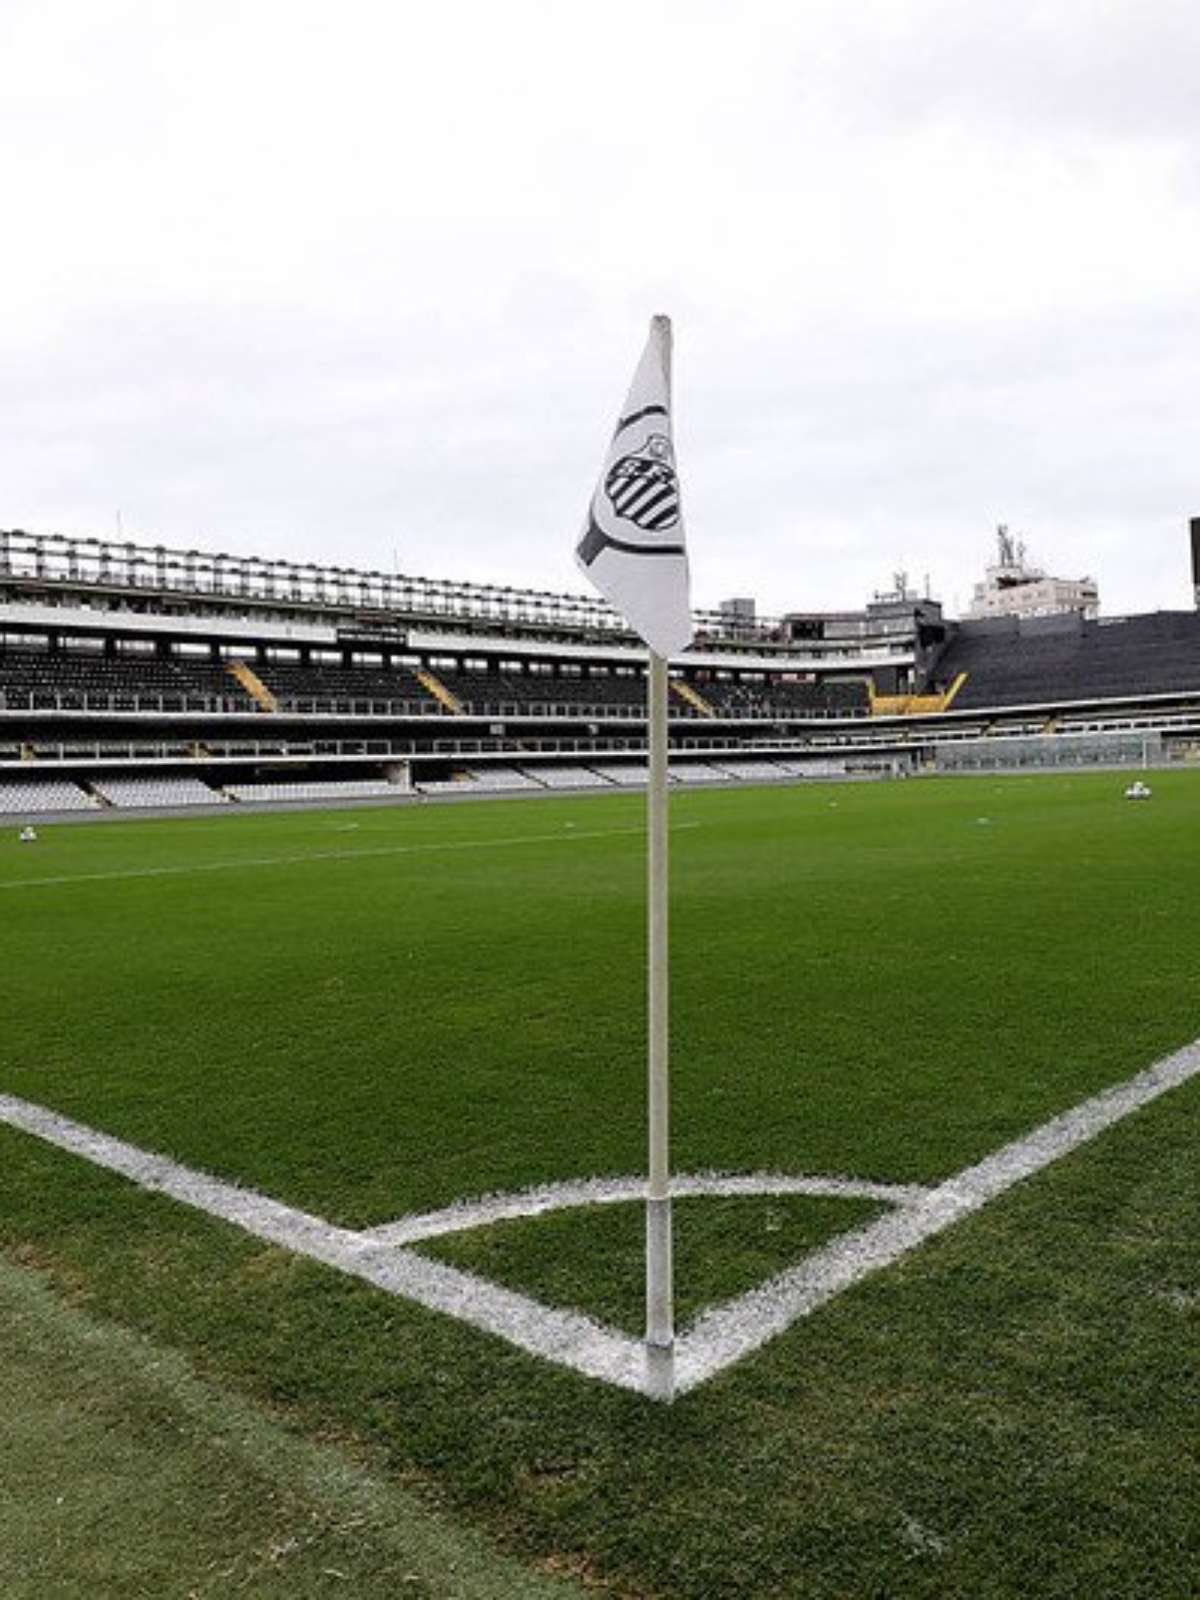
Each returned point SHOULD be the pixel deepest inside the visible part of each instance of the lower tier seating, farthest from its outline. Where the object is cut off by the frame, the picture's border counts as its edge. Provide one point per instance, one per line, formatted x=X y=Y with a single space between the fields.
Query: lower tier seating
x=501 y=777
x=764 y=771
x=332 y=789
x=570 y=778
x=146 y=792
x=38 y=796
x=635 y=775
x=697 y=772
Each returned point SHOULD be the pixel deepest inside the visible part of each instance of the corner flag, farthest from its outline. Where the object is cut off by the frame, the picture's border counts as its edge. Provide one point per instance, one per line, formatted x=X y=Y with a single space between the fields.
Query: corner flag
x=632 y=548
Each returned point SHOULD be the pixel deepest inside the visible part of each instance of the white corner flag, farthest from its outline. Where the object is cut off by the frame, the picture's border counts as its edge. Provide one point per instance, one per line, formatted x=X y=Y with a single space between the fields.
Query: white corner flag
x=632 y=550
x=632 y=547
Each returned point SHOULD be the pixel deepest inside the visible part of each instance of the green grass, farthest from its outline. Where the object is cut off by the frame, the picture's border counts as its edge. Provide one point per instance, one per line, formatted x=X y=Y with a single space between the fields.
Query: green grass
x=594 y=1258
x=884 y=981
x=122 y=1474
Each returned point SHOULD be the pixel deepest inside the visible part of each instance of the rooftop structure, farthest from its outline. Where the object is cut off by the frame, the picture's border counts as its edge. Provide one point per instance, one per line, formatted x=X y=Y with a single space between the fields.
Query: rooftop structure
x=1014 y=587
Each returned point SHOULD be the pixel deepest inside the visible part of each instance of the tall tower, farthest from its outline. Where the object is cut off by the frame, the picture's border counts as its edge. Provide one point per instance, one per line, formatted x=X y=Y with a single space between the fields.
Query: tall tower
x=1195 y=527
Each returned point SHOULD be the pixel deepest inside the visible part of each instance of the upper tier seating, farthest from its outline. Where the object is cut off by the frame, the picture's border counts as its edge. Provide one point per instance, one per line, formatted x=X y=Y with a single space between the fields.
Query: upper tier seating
x=1044 y=660
x=38 y=680
x=494 y=694
x=785 y=699
x=354 y=689
x=73 y=680
x=19 y=798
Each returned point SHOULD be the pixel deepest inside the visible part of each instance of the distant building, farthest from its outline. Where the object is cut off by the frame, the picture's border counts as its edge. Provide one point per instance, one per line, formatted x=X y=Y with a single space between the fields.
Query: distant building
x=739 y=614
x=898 y=631
x=1013 y=587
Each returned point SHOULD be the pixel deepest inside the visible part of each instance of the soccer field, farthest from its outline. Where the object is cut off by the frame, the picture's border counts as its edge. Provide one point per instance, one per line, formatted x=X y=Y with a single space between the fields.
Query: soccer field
x=369 y=1014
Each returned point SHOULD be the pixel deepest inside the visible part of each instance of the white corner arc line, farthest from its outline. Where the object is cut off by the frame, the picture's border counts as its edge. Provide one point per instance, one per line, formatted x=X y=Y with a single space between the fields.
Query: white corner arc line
x=720 y=1336
x=546 y=1197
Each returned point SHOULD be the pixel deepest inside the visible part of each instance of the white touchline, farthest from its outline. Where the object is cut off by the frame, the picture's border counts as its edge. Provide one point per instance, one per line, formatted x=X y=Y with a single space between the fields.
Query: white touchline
x=719 y=1337
x=564 y=837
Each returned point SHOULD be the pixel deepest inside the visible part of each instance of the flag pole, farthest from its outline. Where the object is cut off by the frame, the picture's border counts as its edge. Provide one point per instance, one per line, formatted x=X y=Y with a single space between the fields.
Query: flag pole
x=660 y=1313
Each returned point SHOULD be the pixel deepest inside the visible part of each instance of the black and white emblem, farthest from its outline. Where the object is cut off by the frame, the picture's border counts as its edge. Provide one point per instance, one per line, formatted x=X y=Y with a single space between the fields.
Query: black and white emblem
x=643 y=488
x=632 y=546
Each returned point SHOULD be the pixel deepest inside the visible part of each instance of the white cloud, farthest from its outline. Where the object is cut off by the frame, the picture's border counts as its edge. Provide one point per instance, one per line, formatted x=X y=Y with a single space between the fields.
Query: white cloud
x=347 y=282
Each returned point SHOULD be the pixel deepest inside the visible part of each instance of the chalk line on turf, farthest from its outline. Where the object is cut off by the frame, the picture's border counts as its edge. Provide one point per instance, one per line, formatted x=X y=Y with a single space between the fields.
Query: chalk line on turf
x=440 y=848
x=720 y=1336
x=464 y=1214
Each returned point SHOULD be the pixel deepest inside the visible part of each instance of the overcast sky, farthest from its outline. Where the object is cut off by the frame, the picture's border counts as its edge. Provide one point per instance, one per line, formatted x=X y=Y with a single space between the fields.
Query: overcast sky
x=365 y=282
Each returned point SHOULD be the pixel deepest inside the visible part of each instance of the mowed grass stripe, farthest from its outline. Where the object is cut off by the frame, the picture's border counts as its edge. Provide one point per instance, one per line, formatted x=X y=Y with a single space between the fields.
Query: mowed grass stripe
x=887 y=982
x=124 y=1472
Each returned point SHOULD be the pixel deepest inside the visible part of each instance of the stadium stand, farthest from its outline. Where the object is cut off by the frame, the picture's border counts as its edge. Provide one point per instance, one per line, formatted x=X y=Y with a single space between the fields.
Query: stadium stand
x=265 y=679
x=139 y=792
x=459 y=784
x=811 y=768
x=326 y=789
x=697 y=772
x=556 y=777
x=751 y=771
x=633 y=776
x=787 y=699
x=1046 y=660
x=540 y=694
x=347 y=688
x=502 y=777
x=18 y=799
x=50 y=680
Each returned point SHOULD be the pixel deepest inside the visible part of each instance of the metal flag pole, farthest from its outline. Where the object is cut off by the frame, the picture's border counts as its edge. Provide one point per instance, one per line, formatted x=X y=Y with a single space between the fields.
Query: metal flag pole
x=660 y=1310
x=633 y=550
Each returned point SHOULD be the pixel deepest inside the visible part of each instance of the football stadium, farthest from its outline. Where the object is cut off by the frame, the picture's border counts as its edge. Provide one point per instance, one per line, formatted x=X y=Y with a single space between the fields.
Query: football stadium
x=322 y=1108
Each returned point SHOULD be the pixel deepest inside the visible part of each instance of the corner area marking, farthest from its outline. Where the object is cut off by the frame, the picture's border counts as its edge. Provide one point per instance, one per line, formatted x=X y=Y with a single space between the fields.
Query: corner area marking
x=566 y=1337
x=719 y=1337
x=481 y=1213
x=726 y=1333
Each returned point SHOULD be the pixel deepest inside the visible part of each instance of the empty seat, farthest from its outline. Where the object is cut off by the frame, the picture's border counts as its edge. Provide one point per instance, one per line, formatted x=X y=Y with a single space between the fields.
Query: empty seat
x=35 y=797
x=316 y=789
x=154 y=792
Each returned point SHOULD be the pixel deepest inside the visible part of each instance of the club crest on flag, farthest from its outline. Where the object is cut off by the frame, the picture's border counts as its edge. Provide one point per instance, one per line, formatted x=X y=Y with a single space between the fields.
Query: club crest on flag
x=633 y=547
x=643 y=488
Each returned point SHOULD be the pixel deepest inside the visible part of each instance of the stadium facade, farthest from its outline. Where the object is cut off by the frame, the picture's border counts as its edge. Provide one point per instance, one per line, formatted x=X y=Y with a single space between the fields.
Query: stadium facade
x=135 y=675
